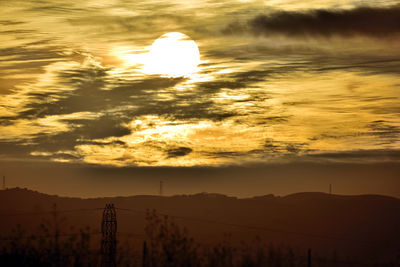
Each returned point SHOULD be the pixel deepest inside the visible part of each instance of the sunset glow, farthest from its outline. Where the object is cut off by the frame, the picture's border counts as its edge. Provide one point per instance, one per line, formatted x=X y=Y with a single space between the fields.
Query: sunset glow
x=129 y=84
x=270 y=130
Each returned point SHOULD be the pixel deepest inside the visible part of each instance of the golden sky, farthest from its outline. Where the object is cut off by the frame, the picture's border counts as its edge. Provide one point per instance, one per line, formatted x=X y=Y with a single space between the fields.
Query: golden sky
x=278 y=81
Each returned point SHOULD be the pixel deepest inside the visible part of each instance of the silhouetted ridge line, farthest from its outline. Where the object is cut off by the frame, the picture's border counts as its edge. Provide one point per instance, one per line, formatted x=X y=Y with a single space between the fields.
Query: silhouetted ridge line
x=206 y=195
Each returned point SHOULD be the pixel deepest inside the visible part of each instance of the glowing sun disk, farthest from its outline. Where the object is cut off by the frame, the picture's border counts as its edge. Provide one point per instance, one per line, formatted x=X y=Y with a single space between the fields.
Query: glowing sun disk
x=172 y=54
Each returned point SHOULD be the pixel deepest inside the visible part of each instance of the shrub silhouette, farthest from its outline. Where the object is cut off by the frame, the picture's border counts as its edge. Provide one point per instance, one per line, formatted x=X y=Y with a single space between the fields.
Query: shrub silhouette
x=167 y=245
x=40 y=250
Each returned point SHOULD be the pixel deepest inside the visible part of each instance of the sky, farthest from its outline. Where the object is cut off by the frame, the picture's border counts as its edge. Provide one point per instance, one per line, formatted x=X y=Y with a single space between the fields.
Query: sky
x=281 y=84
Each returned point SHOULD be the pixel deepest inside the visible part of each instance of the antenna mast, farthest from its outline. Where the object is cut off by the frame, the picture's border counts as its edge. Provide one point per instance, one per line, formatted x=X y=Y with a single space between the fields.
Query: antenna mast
x=109 y=237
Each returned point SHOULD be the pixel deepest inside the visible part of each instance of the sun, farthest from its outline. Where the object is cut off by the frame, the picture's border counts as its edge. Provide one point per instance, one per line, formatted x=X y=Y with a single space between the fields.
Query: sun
x=172 y=54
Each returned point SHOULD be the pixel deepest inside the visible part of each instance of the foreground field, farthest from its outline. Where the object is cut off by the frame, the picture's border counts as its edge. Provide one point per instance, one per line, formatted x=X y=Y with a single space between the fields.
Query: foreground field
x=350 y=230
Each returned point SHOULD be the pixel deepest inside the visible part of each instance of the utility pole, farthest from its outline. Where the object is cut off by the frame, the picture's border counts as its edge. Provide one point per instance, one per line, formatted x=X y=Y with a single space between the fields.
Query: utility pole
x=109 y=237
x=4 y=182
x=56 y=234
x=330 y=189
x=145 y=256
x=161 y=188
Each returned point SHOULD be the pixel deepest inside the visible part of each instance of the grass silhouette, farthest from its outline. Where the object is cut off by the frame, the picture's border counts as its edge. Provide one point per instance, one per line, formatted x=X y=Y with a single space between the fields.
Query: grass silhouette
x=166 y=245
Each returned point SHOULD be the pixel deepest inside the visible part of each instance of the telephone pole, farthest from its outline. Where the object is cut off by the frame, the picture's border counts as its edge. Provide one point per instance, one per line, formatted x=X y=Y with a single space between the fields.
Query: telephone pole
x=109 y=237
x=56 y=234
x=145 y=256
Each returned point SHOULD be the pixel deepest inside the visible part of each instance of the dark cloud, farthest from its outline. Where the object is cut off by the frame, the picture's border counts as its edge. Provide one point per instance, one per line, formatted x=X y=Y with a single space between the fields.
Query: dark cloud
x=178 y=152
x=384 y=129
x=10 y=22
x=283 y=148
x=269 y=150
x=27 y=60
x=357 y=155
x=54 y=8
x=226 y=154
x=364 y=21
x=293 y=148
x=103 y=127
x=103 y=143
x=370 y=64
x=111 y=103
x=87 y=94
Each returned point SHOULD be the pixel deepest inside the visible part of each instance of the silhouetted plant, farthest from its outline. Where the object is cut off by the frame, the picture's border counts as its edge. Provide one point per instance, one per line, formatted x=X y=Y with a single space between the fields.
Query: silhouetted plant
x=168 y=244
x=21 y=249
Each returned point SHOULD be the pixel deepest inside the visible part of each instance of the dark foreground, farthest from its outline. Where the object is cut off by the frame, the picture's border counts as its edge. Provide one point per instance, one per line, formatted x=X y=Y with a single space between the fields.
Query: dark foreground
x=200 y=230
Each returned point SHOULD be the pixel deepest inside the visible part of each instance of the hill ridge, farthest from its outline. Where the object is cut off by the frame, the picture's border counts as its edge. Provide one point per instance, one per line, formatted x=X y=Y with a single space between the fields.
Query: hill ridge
x=204 y=195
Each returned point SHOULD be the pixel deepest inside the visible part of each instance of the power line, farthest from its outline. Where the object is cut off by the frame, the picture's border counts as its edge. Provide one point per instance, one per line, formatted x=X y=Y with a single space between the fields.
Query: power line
x=110 y=219
x=132 y=235
x=47 y=212
x=48 y=236
x=71 y=234
x=134 y=210
x=258 y=228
